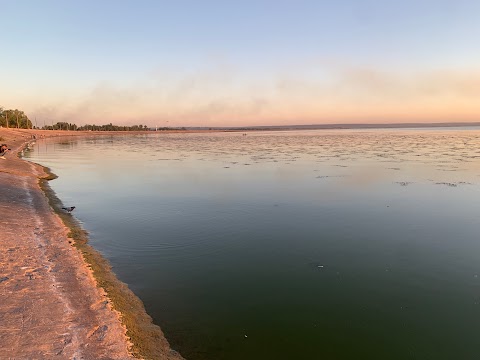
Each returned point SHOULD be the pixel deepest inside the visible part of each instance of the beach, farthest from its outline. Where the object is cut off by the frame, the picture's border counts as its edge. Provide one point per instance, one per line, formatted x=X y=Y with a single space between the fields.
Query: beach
x=53 y=302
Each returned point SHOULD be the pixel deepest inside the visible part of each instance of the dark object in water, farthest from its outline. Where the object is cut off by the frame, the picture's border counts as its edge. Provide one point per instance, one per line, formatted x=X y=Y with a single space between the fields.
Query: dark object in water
x=68 y=209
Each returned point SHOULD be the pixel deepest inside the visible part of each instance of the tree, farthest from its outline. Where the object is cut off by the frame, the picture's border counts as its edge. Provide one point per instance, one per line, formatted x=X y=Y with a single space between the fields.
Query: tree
x=14 y=119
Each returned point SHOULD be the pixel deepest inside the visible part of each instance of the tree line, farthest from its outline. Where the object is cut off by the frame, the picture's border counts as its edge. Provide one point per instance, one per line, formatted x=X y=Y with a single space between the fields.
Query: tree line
x=18 y=119
x=14 y=119
x=108 y=127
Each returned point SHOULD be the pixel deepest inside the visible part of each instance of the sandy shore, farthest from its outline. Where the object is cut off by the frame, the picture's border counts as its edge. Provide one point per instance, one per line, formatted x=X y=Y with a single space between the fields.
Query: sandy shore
x=58 y=299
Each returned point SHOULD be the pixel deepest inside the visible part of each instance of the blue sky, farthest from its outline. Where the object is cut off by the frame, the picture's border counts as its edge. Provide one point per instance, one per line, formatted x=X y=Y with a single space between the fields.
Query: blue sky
x=248 y=62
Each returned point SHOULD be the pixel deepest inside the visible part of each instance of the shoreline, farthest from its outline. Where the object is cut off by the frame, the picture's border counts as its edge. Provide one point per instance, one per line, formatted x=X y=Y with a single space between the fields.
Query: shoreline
x=112 y=321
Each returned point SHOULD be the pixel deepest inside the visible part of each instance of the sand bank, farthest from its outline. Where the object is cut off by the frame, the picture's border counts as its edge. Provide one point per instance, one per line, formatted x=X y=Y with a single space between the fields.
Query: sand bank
x=58 y=297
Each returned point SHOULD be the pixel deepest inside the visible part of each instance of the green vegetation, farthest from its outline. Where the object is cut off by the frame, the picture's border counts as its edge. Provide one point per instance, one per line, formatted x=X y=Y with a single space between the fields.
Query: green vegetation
x=111 y=127
x=14 y=119
x=107 y=127
x=88 y=127
x=18 y=119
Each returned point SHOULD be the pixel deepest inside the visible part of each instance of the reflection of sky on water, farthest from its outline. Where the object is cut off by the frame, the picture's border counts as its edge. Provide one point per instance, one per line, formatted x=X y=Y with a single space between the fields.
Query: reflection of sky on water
x=222 y=163
x=222 y=233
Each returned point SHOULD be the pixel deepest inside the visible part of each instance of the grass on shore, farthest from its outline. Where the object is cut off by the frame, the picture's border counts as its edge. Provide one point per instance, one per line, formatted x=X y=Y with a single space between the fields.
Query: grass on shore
x=147 y=339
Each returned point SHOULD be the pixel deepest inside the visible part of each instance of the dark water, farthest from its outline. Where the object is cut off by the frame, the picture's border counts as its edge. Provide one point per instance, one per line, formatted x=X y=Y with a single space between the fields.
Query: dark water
x=289 y=245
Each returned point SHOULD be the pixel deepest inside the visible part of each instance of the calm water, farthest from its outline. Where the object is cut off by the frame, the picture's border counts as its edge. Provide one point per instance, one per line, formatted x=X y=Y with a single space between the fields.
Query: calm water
x=289 y=245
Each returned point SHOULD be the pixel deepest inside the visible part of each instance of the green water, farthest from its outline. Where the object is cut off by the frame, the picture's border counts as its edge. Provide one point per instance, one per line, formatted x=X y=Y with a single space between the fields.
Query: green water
x=289 y=245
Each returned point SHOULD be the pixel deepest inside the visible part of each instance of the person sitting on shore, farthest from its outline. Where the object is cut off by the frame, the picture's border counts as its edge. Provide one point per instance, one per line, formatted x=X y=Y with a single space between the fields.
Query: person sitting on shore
x=3 y=150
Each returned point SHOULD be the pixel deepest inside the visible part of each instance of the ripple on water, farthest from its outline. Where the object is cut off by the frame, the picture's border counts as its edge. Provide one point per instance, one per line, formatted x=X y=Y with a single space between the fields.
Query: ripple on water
x=271 y=248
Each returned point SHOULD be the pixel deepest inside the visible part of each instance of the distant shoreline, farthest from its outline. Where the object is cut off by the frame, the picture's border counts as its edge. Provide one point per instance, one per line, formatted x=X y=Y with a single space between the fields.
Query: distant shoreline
x=189 y=129
x=337 y=126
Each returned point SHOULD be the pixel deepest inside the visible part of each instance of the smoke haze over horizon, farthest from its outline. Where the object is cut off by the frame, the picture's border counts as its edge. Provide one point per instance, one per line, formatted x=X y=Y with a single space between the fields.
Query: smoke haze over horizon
x=254 y=63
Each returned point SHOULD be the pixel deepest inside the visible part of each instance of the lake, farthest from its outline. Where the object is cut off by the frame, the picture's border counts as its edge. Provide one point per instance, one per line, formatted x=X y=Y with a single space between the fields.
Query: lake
x=329 y=244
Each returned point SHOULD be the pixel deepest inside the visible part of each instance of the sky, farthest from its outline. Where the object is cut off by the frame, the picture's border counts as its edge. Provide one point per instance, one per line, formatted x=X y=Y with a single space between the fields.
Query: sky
x=241 y=63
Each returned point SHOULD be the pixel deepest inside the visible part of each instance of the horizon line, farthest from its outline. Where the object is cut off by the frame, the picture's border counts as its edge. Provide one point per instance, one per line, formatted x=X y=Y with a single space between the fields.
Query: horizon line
x=342 y=125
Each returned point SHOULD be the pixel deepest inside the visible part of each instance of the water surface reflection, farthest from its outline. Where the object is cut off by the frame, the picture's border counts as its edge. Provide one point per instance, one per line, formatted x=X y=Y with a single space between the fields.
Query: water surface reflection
x=289 y=245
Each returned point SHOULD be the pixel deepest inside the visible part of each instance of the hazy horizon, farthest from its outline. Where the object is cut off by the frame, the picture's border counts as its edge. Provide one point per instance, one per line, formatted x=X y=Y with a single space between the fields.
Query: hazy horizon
x=244 y=64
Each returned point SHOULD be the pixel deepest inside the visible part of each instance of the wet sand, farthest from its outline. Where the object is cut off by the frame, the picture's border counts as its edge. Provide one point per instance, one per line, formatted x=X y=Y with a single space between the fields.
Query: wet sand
x=51 y=304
